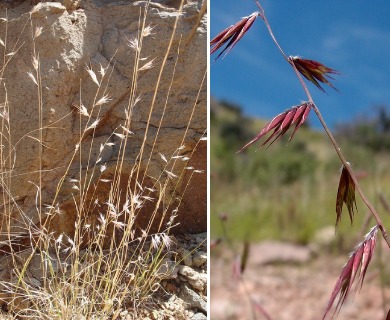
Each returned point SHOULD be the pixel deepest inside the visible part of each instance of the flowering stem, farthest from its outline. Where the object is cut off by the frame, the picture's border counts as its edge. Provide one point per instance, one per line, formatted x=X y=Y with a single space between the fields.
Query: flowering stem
x=309 y=97
x=354 y=179
x=269 y=29
x=330 y=135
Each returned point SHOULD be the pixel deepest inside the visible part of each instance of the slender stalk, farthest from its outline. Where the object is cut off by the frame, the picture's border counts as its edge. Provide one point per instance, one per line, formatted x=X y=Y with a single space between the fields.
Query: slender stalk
x=269 y=29
x=351 y=173
x=328 y=132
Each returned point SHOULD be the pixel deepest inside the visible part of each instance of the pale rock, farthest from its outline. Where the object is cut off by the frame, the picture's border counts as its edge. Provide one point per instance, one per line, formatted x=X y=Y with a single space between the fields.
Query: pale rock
x=199 y=258
x=95 y=33
x=42 y=10
x=197 y=280
x=193 y=299
x=199 y=316
x=185 y=256
x=269 y=252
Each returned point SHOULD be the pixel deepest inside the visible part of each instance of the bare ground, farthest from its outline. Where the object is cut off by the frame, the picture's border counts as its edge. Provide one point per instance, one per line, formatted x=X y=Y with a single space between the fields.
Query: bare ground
x=290 y=290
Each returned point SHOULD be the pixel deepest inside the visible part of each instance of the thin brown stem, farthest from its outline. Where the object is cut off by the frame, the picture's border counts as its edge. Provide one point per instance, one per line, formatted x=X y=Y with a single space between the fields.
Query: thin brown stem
x=354 y=179
x=328 y=132
x=309 y=97
x=262 y=15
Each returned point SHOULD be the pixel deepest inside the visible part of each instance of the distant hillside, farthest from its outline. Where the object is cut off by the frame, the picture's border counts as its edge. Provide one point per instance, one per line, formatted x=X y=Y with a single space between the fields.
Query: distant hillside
x=286 y=191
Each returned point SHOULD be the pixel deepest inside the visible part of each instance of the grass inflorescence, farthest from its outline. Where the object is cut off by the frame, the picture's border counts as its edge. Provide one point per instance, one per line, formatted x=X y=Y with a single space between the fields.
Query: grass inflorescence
x=107 y=260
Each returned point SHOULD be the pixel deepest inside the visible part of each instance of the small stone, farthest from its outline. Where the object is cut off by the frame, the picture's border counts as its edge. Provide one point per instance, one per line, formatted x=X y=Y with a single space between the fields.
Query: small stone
x=271 y=252
x=190 y=313
x=193 y=299
x=196 y=279
x=124 y=313
x=187 y=271
x=199 y=258
x=170 y=287
x=200 y=282
x=154 y=315
x=170 y=307
x=186 y=256
x=199 y=316
x=201 y=238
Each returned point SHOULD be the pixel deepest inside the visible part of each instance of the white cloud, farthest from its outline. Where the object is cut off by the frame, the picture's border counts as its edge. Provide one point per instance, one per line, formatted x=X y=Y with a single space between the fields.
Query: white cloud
x=342 y=36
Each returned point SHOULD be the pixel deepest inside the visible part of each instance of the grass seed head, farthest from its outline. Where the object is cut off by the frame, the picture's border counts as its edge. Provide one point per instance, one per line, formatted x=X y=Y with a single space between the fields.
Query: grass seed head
x=345 y=194
x=281 y=123
x=231 y=35
x=313 y=71
x=360 y=257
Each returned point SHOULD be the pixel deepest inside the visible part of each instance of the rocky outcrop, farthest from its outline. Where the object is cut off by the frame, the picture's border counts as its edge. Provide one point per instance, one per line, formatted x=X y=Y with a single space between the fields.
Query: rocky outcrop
x=182 y=279
x=41 y=124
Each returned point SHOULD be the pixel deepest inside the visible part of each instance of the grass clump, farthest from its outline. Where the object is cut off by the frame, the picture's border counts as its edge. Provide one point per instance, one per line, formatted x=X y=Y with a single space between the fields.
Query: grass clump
x=118 y=217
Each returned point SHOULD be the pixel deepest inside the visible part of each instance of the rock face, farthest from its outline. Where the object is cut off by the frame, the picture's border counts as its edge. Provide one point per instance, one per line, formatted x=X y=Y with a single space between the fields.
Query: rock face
x=44 y=125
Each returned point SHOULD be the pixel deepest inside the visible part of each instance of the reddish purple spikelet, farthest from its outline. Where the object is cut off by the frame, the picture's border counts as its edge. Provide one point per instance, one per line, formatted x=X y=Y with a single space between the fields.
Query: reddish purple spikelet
x=313 y=71
x=281 y=123
x=239 y=264
x=214 y=243
x=232 y=34
x=345 y=194
x=236 y=268
x=361 y=256
x=259 y=308
x=244 y=256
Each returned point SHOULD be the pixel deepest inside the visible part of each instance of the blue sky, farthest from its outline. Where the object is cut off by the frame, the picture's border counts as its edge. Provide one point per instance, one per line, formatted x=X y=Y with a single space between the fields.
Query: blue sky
x=351 y=36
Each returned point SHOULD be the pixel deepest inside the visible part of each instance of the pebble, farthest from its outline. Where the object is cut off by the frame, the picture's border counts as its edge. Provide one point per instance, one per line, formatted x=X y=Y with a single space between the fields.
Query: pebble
x=271 y=252
x=199 y=258
x=196 y=279
x=200 y=282
x=186 y=256
x=193 y=299
x=199 y=316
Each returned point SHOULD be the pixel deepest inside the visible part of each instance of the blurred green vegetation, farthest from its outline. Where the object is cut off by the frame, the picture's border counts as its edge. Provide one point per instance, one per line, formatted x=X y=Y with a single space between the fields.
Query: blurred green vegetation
x=288 y=191
x=372 y=133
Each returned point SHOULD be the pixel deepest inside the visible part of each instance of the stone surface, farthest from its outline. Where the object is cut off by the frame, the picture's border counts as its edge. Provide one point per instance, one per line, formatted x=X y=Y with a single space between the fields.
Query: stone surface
x=196 y=279
x=185 y=256
x=199 y=258
x=176 y=298
x=193 y=299
x=199 y=316
x=96 y=34
x=269 y=252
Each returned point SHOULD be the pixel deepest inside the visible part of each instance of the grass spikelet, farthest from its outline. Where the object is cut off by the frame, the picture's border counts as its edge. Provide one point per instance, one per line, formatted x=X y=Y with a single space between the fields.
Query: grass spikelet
x=147 y=66
x=92 y=74
x=103 y=100
x=359 y=258
x=282 y=123
x=231 y=35
x=313 y=71
x=106 y=261
x=345 y=195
